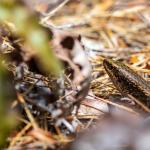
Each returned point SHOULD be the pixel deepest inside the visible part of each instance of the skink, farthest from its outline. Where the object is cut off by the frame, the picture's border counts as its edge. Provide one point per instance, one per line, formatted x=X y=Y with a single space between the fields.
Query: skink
x=128 y=82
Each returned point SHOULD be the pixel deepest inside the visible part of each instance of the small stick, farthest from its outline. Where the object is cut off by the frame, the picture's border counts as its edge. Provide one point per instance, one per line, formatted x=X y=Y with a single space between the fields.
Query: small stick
x=21 y=133
x=31 y=118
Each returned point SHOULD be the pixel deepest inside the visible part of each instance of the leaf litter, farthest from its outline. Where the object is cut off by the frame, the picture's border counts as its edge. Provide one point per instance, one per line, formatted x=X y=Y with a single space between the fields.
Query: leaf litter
x=53 y=110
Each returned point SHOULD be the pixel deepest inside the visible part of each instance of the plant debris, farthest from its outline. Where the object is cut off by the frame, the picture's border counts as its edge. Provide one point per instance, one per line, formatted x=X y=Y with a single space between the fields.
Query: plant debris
x=54 y=51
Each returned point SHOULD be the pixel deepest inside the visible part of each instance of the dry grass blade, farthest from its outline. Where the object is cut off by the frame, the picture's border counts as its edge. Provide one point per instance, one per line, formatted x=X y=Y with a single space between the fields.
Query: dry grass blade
x=115 y=104
x=19 y=135
x=29 y=115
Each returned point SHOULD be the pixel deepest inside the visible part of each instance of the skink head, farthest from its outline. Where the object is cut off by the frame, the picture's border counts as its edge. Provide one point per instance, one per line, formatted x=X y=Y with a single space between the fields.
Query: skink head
x=112 y=67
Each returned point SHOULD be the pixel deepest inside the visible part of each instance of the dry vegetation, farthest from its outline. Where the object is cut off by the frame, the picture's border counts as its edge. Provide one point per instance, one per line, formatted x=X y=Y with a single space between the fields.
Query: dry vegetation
x=41 y=79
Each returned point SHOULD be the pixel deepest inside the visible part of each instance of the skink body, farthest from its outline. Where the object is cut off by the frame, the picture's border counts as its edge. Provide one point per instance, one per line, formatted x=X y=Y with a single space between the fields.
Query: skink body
x=127 y=81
